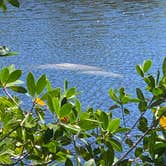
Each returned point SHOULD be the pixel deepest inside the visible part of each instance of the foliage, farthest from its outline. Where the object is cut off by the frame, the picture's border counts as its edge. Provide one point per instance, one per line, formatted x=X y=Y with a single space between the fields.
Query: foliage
x=72 y=136
x=3 y=5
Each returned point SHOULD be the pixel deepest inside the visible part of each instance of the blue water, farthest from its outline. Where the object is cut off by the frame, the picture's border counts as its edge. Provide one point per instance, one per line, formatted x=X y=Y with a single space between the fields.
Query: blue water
x=93 y=44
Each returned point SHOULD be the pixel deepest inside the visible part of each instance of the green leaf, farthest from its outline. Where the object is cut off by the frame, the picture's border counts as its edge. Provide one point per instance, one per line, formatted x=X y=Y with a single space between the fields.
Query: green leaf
x=143 y=124
x=51 y=146
x=66 y=109
x=17 y=82
x=68 y=162
x=114 y=107
x=3 y=6
x=29 y=121
x=88 y=124
x=113 y=125
x=53 y=104
x=157 y=91
x=65 y=85
x=125 y=162
x=11 y=68
x=5 y=159
x=129 y=142
x=147 y=65
x=159 y=148
x=122 y=130
x=140 y=94
x=72 y=128
x=90 y=162
x=152 y=81
x=18 y=89
x=142 y=106
x=41 y=84
x=49 y=87
x=139 y=70
x=71 y=92
x=9 y=53
x=104 y=120
x=78 y=105
x=14 y=76
x=4 y=75
x=115 y=144
x=113 y=95
x=164 y=67
x=31 y=84
x=138 y=151
x=14 y=3
x=126 y=111
x=107 y=157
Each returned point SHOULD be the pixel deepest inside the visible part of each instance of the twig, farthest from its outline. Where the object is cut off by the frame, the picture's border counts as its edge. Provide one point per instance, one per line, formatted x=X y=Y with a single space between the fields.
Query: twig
x=123 y=116
x=138 y=141
x=9 y=133
x=154 y=124
x=8 y=94
x=136 y=122
x=33 y=105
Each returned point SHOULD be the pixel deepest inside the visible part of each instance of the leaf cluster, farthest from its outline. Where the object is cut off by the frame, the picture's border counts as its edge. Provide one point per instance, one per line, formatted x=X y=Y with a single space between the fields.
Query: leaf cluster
x=72 y=136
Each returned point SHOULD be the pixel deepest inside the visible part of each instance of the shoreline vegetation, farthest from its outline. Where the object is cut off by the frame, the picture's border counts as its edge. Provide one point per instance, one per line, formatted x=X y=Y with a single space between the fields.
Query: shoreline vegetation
x=80 y=137
x=76 y=137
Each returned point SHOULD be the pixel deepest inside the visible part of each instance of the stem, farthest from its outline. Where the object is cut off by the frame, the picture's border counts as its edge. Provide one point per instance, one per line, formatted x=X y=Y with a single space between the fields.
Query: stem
x=136 y=122
x=77 y=156
x=138 y=141
x=142 y=114
x=8 y=94
x=33 y=105
x=154 y=124
x=123 y=116
x=21 y=158
x=9 y=133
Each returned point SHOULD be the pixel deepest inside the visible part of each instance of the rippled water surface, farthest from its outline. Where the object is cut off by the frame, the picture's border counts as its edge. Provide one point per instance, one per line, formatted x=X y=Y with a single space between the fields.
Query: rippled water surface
x=94 y=44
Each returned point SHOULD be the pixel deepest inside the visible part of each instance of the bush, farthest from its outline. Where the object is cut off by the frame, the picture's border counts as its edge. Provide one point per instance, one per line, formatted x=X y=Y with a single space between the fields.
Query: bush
x=72 y=136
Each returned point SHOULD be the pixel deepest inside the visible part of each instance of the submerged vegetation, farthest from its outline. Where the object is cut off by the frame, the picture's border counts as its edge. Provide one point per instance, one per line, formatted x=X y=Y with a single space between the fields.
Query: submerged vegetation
x=72 y=136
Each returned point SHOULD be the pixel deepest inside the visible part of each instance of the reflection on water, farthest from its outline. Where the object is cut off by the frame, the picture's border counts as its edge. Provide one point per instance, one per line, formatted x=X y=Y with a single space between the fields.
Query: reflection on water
x=111 y=35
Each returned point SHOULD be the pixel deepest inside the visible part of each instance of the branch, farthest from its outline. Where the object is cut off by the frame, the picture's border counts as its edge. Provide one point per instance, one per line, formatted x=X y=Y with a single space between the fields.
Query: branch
x=138 y=141
x=154 y=124
x=8 y=94
x=136 y=122
x=7 y=135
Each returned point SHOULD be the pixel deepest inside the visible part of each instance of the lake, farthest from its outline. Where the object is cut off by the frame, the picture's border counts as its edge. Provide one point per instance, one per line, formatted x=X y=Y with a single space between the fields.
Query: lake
x=93 y=44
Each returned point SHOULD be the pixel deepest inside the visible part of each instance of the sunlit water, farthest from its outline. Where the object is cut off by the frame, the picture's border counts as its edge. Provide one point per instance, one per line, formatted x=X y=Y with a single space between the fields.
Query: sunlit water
x=93 y=44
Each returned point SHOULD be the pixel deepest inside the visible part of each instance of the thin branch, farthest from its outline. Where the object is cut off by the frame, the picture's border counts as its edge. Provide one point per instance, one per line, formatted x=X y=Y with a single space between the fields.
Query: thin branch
x=134 y=125
x=7 y=135
x=77 y=156
x=123 y=116
x=8 y=94
x=154 y=124
x=21 y=158
x=33 y=105
x=136 y=122
x=133 y=147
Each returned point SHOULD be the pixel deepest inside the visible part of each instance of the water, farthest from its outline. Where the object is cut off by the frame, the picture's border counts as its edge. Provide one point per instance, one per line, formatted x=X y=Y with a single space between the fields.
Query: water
x=95 y=44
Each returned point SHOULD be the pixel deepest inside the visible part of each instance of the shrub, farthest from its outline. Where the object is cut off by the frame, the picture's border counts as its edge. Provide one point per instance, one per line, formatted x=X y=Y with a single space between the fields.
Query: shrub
x=72 y=136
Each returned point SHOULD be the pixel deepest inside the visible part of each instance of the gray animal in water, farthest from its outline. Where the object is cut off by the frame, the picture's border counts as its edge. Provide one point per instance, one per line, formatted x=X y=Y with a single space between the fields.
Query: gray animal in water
x=4 y=50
